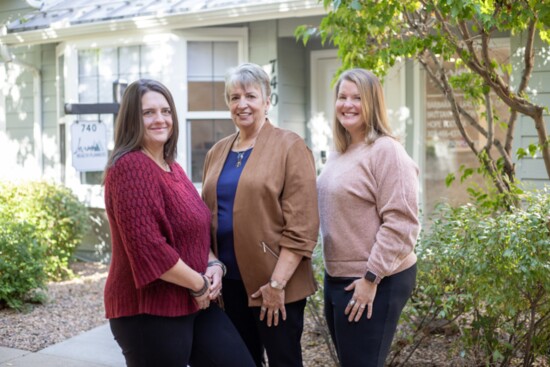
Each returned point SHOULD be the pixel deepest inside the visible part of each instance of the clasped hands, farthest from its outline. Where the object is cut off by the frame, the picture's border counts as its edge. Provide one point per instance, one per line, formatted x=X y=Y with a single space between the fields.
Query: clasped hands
x=273 y=304
x=213 y=274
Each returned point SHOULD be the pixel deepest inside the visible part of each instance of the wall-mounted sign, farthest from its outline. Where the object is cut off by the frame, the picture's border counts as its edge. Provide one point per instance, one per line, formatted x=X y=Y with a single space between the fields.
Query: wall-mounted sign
x=89 y=146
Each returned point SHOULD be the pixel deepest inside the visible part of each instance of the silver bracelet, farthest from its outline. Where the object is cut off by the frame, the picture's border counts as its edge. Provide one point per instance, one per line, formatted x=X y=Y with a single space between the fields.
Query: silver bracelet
x=201 y=291
x=218 y=263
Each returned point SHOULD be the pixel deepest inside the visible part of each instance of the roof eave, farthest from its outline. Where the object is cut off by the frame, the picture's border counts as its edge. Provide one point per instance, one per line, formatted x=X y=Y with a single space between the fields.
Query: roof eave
x=60 y=33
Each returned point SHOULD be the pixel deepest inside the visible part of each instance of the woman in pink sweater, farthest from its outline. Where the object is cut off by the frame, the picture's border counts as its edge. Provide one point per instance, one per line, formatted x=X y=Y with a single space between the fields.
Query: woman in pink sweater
x=368 y=193
x=162 y=275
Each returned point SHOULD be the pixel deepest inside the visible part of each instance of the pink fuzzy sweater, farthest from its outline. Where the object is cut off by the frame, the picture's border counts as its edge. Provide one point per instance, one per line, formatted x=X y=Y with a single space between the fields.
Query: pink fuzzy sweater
x=368 y=203
x=156 y=218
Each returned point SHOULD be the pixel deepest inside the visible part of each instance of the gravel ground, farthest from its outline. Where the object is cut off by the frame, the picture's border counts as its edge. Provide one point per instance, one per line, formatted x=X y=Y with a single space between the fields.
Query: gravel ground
x=76 y=306
x=72 y=307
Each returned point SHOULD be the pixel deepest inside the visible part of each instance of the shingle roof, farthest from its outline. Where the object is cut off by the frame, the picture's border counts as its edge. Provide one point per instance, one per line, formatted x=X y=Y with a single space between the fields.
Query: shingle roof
x=66 y=13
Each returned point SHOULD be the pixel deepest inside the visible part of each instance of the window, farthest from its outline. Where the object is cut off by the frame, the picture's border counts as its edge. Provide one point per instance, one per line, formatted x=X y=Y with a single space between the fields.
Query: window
x=446 y=150
x=99 y=69
x=204 y=134
x=208 y=63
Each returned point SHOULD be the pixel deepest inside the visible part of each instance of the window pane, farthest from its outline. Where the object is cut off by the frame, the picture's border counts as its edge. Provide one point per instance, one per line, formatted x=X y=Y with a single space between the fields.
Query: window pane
x=87 y=62
x=156 y=59
x=446 y=149
x=208 y=62
x=128 y=61
x=199 y=60
x=225 y=57
x=206 y=96
x=204 y=134
x=87 y=89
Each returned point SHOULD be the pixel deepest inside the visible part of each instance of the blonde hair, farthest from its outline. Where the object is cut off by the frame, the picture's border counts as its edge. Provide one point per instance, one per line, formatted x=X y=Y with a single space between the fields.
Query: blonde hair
x=373 y=108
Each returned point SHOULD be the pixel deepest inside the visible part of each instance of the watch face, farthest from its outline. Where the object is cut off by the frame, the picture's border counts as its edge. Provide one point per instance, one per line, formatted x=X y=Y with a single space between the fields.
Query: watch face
x=371 y=277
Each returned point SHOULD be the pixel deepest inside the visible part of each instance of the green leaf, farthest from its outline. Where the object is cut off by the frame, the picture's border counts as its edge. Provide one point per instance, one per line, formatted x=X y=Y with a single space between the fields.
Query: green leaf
x=533 y=148
x=449 y=179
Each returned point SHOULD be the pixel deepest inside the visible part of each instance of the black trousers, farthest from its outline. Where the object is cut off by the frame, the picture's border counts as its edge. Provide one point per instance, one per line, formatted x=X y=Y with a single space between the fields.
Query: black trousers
x=282 y=343
x=367 y=343
x=204 y=339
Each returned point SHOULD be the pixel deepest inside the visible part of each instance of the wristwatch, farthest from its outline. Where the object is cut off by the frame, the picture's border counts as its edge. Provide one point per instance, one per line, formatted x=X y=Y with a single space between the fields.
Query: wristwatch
x=373 y=278
x=275 y=284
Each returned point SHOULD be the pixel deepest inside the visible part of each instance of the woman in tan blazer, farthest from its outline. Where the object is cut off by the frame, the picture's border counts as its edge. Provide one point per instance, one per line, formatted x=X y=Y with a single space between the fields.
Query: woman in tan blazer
x=259 y=184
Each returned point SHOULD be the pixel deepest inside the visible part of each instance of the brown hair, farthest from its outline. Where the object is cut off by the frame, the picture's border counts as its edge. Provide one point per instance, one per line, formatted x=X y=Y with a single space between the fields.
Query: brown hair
x=373 y=108
x=129 y=128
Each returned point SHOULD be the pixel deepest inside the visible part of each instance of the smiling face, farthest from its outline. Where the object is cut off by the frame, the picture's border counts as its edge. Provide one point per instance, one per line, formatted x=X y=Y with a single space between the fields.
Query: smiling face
x=349 y=111
x=247 y=105
x=157 y=120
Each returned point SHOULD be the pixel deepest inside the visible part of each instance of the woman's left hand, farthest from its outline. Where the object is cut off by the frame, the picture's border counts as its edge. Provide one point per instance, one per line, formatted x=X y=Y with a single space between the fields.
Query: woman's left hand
x=214 y=273
x=273 y=303
x=363 y=298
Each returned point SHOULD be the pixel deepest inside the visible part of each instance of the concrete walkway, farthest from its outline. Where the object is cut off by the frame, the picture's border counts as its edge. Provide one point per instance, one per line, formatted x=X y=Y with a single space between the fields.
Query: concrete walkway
x=94 y=348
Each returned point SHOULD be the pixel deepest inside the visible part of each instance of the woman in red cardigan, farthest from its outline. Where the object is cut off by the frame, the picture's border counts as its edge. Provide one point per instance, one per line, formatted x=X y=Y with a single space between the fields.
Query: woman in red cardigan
x=162 y=276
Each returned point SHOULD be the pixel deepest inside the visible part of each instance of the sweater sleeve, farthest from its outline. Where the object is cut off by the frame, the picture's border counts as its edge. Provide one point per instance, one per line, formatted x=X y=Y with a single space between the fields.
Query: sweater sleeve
x=137 y=208
x=299 y=201
x=396 y=178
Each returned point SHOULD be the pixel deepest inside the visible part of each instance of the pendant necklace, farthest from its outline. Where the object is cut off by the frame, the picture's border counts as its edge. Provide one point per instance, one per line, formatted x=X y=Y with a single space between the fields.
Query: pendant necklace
x=240 y=155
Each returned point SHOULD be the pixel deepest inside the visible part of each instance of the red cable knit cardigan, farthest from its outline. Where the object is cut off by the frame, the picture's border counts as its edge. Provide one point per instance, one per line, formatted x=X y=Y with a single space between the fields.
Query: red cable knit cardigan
x=156 y=218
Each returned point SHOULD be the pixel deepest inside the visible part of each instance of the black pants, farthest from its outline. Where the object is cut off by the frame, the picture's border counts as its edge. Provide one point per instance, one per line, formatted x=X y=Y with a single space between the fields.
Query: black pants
x=282 y=342
x=367 y=343
x=206 y=338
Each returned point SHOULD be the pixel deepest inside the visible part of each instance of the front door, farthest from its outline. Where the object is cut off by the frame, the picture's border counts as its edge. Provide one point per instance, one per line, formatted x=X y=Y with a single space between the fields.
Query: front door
x=324 y=65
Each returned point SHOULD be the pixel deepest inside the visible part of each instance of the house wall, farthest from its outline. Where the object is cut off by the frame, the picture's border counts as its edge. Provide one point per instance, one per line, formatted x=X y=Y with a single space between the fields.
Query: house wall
x=262 y=49
x=50 y=130
x=30 y=128
x=291 y=86
x=531 y=171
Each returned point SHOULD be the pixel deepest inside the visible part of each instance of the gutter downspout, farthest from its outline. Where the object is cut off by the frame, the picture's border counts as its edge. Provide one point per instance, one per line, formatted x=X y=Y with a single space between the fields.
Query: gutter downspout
x=38 y=124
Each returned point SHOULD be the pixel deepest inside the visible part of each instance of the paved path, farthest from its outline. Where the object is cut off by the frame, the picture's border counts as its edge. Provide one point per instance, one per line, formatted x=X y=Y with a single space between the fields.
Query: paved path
x=94 y=348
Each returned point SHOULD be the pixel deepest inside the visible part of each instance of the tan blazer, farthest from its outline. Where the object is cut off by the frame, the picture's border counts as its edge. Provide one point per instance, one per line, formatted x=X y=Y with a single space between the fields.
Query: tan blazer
x=275 y=206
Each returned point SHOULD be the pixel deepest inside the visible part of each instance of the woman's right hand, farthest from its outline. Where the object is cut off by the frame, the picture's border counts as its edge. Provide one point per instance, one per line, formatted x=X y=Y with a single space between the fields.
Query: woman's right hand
x=203 y=300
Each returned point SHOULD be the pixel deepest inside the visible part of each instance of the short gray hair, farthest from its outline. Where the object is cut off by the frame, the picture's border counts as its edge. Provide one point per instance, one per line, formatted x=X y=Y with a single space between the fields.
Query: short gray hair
x=245 y=75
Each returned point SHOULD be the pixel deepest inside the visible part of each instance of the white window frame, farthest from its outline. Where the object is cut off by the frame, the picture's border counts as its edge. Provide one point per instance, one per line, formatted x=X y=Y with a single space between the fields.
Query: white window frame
x=92 y=194
x=239 y=35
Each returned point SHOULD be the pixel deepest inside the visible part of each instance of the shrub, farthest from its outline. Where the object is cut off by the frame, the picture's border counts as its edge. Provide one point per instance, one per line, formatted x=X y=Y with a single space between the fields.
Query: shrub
x=59 y=218
x=316 y=305
x=22 y=264
x=487 y=275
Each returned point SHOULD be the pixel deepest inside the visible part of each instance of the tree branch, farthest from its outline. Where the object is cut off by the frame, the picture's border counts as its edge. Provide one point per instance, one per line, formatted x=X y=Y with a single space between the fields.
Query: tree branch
x=528 y=58
x=490 y=120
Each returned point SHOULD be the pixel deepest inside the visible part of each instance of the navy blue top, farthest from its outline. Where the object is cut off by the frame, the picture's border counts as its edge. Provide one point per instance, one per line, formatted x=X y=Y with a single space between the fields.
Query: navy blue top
x=226 y=189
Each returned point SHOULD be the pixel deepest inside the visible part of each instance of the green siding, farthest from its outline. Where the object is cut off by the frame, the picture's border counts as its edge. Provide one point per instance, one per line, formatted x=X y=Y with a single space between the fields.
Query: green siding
x=292 y=85
x=531 y=171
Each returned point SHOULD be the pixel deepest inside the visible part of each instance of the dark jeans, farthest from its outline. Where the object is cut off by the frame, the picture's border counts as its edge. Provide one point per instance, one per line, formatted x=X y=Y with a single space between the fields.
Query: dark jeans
x=206 y=338
x=367 y=343
x=281 y=342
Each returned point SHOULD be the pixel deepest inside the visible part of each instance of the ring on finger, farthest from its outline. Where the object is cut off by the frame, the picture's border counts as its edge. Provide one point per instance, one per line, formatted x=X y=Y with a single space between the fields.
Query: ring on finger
x=276 y=312
x=362 y=306
x=352 y=302
x=263 y=308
